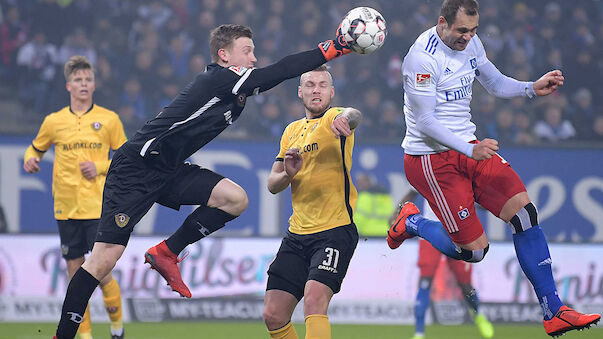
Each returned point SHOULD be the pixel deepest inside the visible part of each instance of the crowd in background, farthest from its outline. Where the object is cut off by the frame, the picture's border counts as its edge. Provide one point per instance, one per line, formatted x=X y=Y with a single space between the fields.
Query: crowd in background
x=144 y=51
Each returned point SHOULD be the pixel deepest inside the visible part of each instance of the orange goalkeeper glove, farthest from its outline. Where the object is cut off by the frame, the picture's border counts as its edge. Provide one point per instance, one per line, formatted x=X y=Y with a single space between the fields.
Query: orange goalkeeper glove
x=331 y=49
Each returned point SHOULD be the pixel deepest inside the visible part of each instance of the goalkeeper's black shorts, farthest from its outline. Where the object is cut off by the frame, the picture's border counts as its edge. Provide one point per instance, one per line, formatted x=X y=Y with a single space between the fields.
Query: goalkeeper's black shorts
x=132 y=187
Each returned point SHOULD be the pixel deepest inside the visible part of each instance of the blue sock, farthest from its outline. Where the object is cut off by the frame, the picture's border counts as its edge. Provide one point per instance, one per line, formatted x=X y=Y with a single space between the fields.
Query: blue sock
x=422 y=304
x=434 y=232
x=533 y=255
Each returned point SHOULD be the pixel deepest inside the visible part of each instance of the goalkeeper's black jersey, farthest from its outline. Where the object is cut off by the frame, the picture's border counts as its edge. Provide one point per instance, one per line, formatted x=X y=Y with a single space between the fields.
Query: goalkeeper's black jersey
x=209 y=104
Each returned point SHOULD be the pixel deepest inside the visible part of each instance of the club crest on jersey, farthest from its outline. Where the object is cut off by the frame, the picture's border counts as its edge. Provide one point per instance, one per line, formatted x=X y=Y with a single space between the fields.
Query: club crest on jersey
x=473 y=63
x=121 y=219
x=96 y=125
x=464 y=213
x=423 y=80
x=238 y=70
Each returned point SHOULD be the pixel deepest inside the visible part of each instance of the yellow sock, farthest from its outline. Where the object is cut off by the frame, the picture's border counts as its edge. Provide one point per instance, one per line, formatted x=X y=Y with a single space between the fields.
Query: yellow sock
x=85 y=330
x=112 y=299
x=318 y=327
x=285 y=332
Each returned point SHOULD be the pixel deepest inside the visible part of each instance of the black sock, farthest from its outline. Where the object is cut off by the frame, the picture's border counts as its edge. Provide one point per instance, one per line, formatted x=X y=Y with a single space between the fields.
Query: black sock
x=79 y=291
x=199 y=224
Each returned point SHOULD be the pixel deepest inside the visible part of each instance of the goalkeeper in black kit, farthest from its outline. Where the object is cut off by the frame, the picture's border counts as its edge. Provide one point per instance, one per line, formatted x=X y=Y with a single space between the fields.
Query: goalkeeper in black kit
x=151 y=166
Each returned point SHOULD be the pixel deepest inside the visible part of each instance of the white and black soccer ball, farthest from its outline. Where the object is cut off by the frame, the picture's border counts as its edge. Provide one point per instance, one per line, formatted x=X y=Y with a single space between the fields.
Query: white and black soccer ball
x=364 y=29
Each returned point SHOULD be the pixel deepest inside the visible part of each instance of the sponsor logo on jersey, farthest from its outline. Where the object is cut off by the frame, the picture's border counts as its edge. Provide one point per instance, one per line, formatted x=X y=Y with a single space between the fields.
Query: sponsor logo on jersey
x=121 y=219
x=448 y=71
x=423 y=80
x=464 y=213
x=96 y=125
x=473 y=62
x=238 y=70
x=327 y=268
x=82 y=145
x=309 y=148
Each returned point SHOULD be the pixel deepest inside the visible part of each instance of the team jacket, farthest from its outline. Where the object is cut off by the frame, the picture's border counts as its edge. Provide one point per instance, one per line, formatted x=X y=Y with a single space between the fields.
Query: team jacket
x=322 y=193
x=88 y=137
x=207 y=105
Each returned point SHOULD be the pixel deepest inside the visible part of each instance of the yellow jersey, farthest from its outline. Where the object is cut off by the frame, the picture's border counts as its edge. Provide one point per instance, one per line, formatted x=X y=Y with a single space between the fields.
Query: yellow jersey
x=88 y=137
x=322 y=193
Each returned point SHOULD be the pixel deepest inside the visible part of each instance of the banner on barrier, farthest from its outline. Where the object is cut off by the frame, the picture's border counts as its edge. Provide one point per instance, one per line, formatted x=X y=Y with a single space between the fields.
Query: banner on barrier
x=566 y=189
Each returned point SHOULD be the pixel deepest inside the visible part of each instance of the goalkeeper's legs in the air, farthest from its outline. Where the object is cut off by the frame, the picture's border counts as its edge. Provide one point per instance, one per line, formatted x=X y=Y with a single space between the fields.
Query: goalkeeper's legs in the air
x=224 y=200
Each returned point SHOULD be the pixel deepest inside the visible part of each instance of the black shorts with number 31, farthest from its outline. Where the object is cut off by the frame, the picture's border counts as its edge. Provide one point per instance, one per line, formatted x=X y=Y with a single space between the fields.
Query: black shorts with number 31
x=322 y=256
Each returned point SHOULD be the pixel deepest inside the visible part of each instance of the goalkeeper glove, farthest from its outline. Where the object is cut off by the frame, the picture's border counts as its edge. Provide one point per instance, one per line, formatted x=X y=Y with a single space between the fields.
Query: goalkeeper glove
x=331 y=49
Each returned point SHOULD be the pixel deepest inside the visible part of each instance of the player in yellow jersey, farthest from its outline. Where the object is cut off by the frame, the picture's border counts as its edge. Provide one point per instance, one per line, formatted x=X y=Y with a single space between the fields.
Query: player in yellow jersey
x=83 y=135
x=315 y=158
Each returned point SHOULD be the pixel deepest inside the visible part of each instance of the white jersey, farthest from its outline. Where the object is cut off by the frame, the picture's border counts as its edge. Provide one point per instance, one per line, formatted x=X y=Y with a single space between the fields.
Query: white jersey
x=433 y=69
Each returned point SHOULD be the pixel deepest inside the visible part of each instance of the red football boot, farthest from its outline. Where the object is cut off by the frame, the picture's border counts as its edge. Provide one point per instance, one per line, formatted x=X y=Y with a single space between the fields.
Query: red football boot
x=568 y=319
x=166 y=263
x=397 y=231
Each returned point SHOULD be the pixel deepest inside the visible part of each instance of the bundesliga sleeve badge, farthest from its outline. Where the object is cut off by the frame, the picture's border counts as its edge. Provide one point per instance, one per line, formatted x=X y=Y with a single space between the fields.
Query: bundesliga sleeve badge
x=423 y=80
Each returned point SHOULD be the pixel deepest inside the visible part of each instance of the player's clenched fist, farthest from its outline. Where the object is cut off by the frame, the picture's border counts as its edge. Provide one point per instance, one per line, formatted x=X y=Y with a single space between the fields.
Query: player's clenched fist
x=485 y=149
x=32 y=165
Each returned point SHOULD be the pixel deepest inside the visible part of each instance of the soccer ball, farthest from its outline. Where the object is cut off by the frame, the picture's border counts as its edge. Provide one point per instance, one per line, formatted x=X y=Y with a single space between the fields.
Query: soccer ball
x=364 y=29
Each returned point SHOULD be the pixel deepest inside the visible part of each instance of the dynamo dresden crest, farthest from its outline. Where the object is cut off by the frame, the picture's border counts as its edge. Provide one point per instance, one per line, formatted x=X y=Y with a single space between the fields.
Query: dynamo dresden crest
x=121 y=219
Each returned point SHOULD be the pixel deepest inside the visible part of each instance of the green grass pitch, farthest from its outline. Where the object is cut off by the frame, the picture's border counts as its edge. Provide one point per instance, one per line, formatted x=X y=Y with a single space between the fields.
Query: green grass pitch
x=253 y=330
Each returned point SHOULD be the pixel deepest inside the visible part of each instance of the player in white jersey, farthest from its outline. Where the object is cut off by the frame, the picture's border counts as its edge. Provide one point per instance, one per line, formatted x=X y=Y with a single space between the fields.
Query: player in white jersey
x=446 y=163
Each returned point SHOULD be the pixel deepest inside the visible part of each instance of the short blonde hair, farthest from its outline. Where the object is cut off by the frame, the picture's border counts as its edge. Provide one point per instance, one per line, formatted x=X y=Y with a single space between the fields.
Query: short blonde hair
x=76 y=63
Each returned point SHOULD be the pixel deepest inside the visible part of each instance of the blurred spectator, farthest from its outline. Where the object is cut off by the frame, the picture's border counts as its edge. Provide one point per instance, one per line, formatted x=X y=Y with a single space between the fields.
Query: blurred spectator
x=37 y=61
x=13 y=34
x=493 y=42
x=144 y=70
x=156 y=12
x=553 y=128
x=270 y=125
x=196 y=65
x=169 y=90
x=159 y=40
x=597 y=129
x=179 y=53
x=132 y=96
x=523 y=127
x=77 y=43
x=130 y=121
x=502 y=129
x=583 y=112
x=389 y=122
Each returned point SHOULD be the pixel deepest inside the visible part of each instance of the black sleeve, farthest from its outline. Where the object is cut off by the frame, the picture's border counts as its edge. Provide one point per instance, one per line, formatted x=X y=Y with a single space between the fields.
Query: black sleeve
x=288 y=67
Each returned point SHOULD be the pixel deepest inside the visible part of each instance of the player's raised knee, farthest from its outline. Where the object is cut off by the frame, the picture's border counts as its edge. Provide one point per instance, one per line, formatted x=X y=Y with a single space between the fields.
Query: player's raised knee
x=474 y=255
x=238 y=201
x=524 y=219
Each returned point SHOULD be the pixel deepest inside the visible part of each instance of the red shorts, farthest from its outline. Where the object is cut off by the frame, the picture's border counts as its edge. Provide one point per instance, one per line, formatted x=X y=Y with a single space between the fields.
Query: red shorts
x=452 y=183
x=429 y=258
